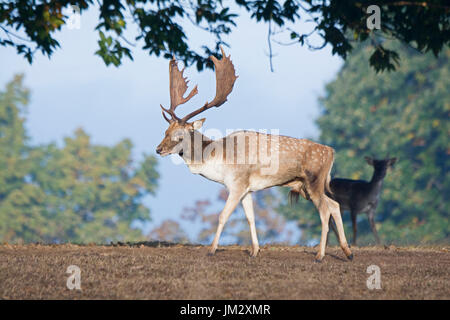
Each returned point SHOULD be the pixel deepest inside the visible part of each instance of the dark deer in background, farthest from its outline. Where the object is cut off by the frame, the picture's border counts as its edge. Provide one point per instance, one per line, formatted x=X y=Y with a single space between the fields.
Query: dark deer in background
x=358 y=196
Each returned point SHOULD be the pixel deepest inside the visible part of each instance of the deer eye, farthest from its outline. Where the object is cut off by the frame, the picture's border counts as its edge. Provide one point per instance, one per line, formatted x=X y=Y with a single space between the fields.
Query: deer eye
x=177 y=137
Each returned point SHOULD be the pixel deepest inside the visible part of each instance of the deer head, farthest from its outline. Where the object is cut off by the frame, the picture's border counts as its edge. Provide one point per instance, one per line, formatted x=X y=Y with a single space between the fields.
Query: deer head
x=381 y=166
x=180 y=128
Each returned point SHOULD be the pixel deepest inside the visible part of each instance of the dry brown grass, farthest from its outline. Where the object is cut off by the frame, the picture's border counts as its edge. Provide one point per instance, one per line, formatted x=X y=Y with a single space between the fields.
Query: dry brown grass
x=149 y=271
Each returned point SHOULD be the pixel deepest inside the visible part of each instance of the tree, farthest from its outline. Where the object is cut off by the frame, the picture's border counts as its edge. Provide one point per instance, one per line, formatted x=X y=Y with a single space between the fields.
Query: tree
x=12 y=137
x=403 y=114
x=161 y=25
x=270 y=226
x=169 y=230
x=15 y=194
x=80 y=192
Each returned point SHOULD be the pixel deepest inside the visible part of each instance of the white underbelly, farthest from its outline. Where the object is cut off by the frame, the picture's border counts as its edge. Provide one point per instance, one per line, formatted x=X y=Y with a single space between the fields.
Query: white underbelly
x=260 y=183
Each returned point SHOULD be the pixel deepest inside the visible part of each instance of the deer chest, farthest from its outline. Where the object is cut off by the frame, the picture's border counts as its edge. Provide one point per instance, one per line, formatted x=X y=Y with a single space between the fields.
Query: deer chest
x=208 y=170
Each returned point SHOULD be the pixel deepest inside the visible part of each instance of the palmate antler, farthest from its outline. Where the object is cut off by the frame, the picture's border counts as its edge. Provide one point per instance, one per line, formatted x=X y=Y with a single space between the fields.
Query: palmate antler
x=225 y=78
x=178 y=87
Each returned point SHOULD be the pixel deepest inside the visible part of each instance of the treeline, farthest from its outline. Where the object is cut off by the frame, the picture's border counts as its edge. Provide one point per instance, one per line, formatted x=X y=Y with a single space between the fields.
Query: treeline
x=82 y=192
x=79 y=192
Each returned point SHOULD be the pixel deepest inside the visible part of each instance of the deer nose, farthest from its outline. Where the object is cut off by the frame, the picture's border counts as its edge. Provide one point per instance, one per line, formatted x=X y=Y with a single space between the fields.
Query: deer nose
x=158 y=150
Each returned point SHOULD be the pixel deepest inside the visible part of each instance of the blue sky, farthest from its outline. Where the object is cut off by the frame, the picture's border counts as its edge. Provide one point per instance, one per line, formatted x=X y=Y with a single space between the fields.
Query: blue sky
x=75 y=89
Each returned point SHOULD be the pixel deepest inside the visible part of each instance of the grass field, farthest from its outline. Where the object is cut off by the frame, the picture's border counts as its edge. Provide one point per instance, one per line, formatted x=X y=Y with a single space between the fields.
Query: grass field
x=160 y=271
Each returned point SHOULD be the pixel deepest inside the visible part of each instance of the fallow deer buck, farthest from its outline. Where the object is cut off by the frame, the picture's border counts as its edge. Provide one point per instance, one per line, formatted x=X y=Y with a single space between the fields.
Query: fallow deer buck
x=247 y=161
x=360 y=196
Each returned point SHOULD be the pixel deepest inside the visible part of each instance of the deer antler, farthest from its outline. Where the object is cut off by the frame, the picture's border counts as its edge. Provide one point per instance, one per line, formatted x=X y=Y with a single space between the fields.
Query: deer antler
x=225 y=78
x=178 y=87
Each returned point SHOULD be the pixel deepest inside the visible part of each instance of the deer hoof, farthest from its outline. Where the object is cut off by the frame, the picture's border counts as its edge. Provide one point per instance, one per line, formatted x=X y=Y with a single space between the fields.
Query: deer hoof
x=318 y=259
x=350 y=257
x=254 y=253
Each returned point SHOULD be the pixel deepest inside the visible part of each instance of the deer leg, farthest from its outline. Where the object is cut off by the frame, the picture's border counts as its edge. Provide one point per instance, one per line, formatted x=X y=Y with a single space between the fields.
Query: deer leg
x=324 y=213
x=324 y=217
x=371 y=215
x=230 y=205
x=333 y=227
x=247 y=203
x=336 y=214
x=354 y=225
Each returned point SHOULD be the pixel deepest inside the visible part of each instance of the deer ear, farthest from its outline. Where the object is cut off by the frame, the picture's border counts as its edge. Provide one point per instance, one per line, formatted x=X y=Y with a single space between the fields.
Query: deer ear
x=369 y=160
x=392 y=161
x=197 y=124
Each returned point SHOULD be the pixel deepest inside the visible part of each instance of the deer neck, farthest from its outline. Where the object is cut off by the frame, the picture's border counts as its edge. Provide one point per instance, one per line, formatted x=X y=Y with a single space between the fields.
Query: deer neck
x=200 y=163
x=196 y=146
x=377 y=180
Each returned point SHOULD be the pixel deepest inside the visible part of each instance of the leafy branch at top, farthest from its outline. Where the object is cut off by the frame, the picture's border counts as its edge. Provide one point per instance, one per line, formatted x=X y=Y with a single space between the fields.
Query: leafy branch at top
x=30 y=26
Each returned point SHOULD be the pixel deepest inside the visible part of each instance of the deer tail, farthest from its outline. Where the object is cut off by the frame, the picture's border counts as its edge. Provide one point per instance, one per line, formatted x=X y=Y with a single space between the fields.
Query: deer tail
x=327 y=184
x=293 y=197
x=328 y=178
